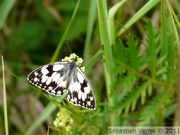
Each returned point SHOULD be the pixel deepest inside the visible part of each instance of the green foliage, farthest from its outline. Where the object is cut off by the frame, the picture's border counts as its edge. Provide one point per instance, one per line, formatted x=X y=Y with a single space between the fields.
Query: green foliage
x=133 y=76
x=139 y=76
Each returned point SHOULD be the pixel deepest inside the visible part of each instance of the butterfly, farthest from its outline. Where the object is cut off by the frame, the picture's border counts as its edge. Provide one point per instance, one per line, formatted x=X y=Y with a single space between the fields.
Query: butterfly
x=65 y=77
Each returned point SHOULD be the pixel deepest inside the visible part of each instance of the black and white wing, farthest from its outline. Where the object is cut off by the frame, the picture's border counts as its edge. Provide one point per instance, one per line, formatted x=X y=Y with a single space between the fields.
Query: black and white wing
x=66 y=76
x=50 y=78
x=80 y=92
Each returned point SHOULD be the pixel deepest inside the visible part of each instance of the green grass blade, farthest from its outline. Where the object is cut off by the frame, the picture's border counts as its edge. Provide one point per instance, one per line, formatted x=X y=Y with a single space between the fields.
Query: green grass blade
x=111 y=28
x=173 y=19
x=92 y=61
x=41 y=118
x=103 y=27
x=107 y=55
x=91 y=20
x=65 y=33
x=5 y=101
x=150 y=4
x=4 y=10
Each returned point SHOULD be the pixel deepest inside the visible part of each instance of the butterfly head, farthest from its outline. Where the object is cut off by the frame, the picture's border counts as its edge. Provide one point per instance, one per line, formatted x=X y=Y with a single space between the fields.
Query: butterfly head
x=74 y=58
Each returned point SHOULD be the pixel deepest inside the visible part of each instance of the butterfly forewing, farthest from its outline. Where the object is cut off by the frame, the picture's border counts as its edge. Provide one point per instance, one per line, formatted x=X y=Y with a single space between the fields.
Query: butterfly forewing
x=59 y=77
x=48 y=78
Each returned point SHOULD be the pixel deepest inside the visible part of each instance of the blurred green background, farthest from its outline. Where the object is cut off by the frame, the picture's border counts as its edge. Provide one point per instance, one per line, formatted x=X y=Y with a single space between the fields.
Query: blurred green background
x=30 y=34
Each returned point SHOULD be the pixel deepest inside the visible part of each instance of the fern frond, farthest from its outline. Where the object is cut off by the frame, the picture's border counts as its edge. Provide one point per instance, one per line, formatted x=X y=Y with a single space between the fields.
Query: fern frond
x=153 y=48
x=133 y=52
x=131 y=98
x=156 y=105
x=136 y=77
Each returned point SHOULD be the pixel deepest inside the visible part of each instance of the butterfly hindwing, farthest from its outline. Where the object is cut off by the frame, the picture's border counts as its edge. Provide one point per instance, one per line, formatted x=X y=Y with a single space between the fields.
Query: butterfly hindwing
x=80 y=92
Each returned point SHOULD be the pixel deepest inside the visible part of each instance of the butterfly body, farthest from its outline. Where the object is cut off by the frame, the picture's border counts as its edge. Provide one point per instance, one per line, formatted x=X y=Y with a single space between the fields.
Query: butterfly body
x=65 y=76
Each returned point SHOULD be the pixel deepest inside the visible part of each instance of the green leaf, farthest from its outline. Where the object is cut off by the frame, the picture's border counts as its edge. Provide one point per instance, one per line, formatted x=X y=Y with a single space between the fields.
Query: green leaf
x=133 y=52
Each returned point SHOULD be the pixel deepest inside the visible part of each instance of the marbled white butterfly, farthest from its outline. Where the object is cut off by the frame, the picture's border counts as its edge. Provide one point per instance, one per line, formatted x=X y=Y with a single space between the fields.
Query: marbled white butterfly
x=65 y=76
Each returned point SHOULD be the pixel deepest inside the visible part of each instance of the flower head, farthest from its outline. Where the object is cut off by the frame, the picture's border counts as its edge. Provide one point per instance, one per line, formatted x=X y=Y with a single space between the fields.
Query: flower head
x=78 y=61
x=63 y=120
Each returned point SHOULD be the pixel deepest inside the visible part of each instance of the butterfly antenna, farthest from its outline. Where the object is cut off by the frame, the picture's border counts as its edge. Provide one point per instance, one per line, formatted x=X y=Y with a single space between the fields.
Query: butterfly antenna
x=68 y=46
